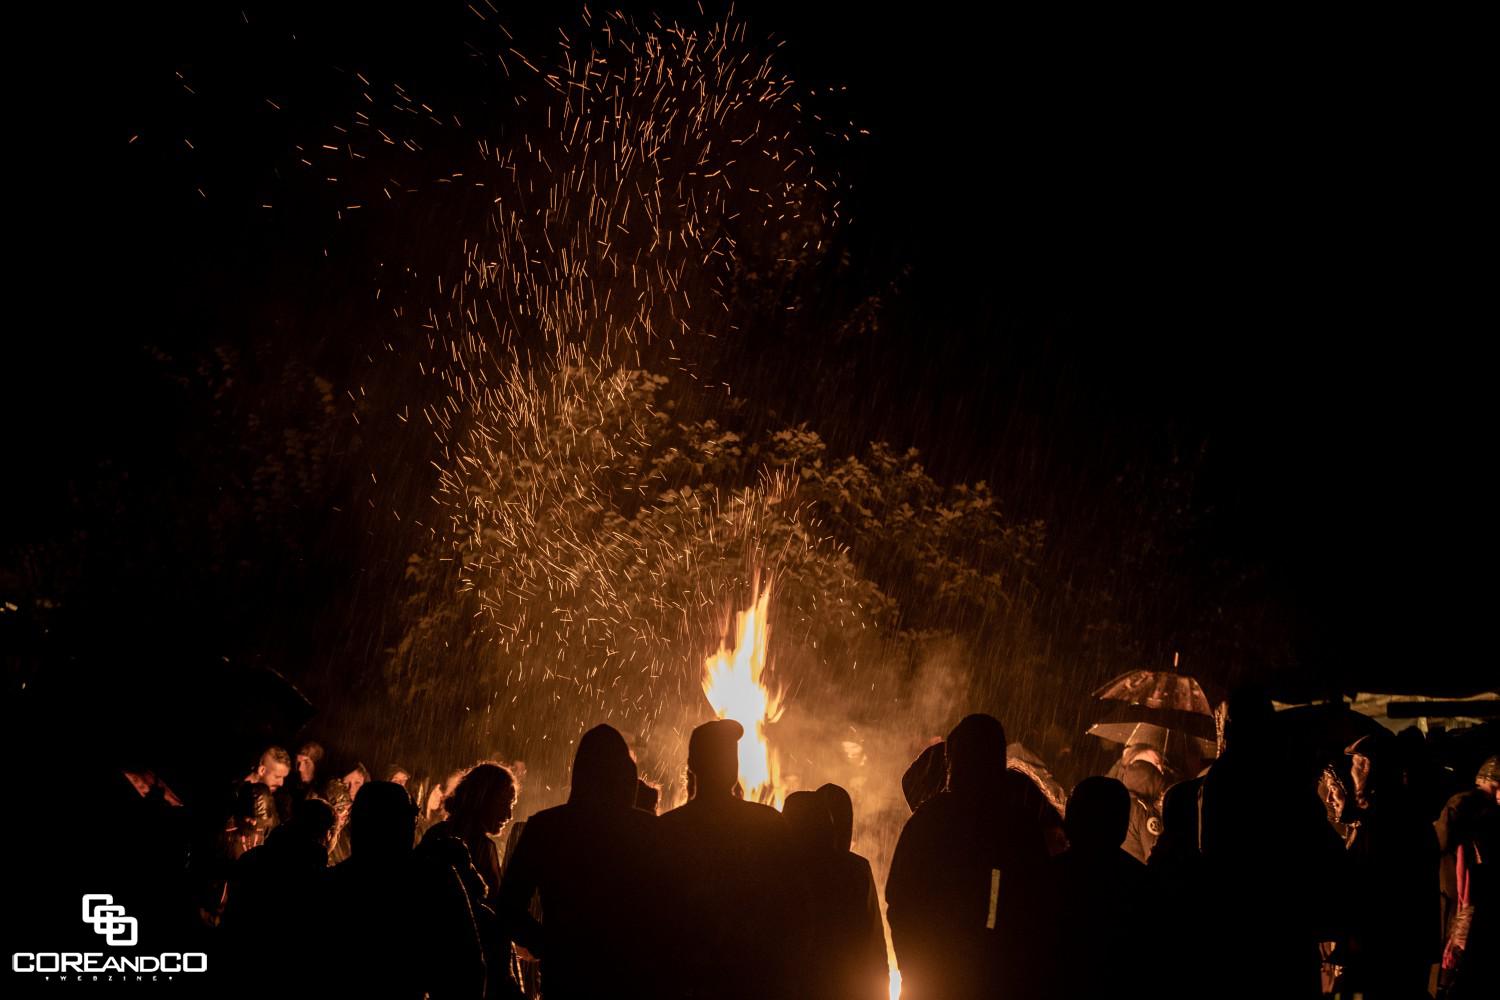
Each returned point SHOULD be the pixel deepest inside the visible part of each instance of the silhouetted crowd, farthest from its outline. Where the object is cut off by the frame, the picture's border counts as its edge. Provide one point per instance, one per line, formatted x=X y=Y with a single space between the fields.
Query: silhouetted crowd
x=1251 y=878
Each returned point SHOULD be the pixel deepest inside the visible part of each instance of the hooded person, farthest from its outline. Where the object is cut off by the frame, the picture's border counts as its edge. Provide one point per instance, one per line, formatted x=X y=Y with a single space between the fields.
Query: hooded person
x=843 y=940
x=967 y=896
x=1145 y=783
x=731 y=925
x=590 y=864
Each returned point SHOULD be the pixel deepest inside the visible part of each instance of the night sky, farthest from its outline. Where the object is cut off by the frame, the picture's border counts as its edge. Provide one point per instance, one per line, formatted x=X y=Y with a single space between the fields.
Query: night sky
x=1248 y=248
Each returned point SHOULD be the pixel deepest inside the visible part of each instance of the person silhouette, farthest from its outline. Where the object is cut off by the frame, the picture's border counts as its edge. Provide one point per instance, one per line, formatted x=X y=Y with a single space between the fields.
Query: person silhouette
x=1099 y=885
x=967 y=896
x=478 y=810
x=282 y=875
x=722 y=855
x=1393 y=850
x=843 y=940
x=1268 y=849
x=590 y=862
x=1181 y=896
x=383 y=892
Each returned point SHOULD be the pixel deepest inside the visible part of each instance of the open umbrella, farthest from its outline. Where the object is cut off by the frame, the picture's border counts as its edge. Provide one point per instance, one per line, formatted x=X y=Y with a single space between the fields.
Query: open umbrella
x=1164 y=739
x=1149 y=706
x=1158 y=689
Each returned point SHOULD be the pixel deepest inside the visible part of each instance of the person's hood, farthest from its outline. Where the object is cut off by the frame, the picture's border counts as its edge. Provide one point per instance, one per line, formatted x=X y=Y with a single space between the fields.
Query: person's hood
x=604 y=772
x=1143 y=780
x=926 y=776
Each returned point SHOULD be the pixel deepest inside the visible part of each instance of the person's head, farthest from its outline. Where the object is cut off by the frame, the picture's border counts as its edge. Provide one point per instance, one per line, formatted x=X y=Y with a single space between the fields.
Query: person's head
x=976 y=754
x=356 y=779
x=309 y=756
x=338 y=797
x=647 y=795
x=275 y=764
x=397 y=775
x=1487 y=779
x=1332 y=792
x=604 y=771
x=841 y=810
x=483 y=800
x=1098 y=815
x=314 y=819
x=1249 y=718
x=1144 y=780
x=1143 y=751
x=713 y=757
x=807 y=820
x=382 y=821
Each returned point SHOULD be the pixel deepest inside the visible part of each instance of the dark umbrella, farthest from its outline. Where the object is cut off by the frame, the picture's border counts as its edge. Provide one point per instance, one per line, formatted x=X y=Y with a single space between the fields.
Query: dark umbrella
x=1158 y=689
x=1148 y=706
x=1130 y=733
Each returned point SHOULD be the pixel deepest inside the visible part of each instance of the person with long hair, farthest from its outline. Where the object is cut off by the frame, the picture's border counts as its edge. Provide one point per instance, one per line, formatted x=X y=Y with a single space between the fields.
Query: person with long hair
x=478 y=809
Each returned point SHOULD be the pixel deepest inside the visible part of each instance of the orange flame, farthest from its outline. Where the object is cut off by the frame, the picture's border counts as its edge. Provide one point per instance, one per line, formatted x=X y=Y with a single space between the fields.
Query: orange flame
x=734 y=683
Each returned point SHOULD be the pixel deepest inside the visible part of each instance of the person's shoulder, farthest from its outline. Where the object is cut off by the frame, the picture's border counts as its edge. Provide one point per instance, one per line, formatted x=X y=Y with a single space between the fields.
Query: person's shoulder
x=936 y=809
x=252 y=859
x=341 y=873
x=673 y=819
x=539 y=823
x=1458 y=800
x=438 y=831
x=930 y=819
x=440 y=845
x=759 y=810
x=641 y=819
x=855 y=867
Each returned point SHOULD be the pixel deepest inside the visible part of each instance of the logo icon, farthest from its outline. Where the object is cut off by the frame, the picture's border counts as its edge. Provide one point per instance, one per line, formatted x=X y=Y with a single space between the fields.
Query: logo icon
x=109 y=919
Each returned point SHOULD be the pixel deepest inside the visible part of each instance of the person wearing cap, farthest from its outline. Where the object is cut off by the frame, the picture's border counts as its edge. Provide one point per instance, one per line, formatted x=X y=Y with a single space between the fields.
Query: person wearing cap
x=1468 y=834
x=724 y=910
x=967 y=897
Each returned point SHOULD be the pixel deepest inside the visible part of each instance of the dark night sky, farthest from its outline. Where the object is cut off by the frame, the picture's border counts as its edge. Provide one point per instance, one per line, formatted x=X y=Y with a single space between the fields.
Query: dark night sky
x=1122 y=238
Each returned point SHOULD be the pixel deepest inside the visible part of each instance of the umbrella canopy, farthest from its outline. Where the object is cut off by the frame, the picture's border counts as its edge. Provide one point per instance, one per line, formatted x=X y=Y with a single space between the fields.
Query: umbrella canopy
x=1192 y=723
x=1145 y=706
x=1158 y=689
x=1161 y=737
